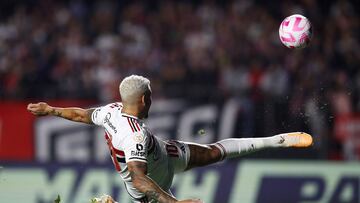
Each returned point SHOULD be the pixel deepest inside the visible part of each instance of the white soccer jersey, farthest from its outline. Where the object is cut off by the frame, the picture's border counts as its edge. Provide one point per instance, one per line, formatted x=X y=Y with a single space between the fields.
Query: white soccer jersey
x=130 y=140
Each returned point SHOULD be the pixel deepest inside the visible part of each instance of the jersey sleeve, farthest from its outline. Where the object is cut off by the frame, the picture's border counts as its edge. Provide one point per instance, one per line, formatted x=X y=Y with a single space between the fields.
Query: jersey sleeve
x=136 y=147
x=98 y=115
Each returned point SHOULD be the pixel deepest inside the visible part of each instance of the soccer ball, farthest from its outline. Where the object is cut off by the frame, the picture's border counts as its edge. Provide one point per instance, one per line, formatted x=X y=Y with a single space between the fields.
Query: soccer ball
x=295 y=31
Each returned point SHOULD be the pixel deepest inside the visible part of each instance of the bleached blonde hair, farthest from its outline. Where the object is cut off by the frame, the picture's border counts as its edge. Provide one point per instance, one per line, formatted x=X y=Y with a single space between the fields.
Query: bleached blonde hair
x=133 y=87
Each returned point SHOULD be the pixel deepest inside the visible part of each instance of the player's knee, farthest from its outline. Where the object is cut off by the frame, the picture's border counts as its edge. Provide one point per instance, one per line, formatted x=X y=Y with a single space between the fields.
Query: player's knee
x=215 y=153
x=203 y=155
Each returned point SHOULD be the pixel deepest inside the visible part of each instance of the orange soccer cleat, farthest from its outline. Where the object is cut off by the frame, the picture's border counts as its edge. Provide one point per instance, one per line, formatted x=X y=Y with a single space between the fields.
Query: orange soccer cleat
x=296 y=139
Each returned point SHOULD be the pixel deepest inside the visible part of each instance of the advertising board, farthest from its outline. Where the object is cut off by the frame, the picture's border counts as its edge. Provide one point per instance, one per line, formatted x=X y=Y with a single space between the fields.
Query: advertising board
x=247 y=181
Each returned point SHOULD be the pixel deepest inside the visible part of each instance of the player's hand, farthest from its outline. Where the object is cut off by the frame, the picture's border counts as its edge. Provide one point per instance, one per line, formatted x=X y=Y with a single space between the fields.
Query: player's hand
x=103 y=199
x=191 y=201
x=39 y=109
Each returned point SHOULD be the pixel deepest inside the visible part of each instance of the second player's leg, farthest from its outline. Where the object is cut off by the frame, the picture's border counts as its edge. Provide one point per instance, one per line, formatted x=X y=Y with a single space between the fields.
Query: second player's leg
x=202 y=155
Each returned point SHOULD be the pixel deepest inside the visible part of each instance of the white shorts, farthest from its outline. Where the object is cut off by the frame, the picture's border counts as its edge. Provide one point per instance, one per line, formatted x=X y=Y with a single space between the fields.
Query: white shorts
x=178 y=159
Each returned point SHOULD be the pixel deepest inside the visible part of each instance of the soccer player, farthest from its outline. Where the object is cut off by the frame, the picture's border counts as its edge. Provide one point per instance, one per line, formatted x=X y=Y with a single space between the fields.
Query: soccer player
x=146 y=163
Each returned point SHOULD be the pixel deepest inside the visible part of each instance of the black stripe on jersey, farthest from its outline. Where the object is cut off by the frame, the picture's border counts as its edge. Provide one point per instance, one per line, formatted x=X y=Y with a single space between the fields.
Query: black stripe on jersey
x=133 y=124
x=121 y=160
x=128 y=116
x=132 y=127
x=136 y=124
x=137 y=158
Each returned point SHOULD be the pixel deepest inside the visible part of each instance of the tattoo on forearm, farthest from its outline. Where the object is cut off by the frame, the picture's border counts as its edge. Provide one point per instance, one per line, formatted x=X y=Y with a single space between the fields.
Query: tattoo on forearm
x=56 y=113
x=146 y=185
x=150 y=193
x=89 y=114
x=153 y=195
x=141 y=166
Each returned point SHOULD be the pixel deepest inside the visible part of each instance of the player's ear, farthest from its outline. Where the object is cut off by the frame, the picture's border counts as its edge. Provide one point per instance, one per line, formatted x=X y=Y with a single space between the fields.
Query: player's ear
x=143 y=100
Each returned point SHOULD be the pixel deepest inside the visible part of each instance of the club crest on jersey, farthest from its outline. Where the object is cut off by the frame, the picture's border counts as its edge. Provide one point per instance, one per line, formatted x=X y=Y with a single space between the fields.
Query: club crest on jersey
x=138 y=137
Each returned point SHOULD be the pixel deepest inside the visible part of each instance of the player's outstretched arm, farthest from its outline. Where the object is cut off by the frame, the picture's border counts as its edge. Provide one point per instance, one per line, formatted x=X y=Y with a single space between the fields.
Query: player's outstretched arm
x=71 y=113
x=146 y=185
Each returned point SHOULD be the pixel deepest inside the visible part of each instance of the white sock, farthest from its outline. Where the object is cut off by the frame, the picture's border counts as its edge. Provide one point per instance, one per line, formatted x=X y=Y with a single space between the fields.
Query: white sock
x=235 y=147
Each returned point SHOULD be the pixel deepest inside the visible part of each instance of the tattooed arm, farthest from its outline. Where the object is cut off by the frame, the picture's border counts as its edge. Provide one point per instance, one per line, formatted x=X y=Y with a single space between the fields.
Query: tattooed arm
x=146 y=185
x=72 y=113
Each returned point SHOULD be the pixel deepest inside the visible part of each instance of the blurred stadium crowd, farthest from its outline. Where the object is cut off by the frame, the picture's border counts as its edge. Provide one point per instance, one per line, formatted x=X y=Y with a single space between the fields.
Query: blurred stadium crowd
x=204 y=51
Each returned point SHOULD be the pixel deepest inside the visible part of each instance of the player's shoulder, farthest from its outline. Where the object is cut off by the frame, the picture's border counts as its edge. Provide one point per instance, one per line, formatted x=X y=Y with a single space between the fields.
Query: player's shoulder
x=112 y=106
x=109 y=108
x=131 y=124
x=106 y=112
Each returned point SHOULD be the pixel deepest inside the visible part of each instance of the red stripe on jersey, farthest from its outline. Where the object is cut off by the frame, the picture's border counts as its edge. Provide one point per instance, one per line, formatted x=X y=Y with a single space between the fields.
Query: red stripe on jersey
x=118 y=152
x=113 y=105
x=132 y=128
x=136 y=124
x=112 y=149
x=132 y=122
